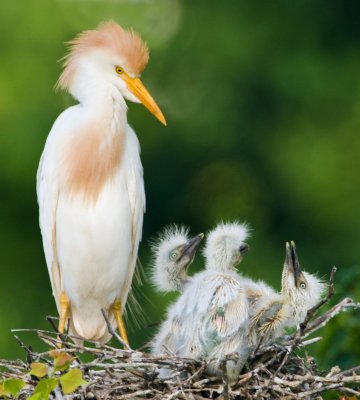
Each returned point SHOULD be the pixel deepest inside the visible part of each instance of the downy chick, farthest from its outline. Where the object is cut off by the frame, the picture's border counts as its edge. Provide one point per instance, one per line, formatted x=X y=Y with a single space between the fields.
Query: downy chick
x=300 y=291
x=173 y=254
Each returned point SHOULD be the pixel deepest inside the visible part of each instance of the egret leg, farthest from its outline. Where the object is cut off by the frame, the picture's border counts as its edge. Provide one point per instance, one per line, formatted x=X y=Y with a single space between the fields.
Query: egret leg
x=119 y=321
x=64 y=313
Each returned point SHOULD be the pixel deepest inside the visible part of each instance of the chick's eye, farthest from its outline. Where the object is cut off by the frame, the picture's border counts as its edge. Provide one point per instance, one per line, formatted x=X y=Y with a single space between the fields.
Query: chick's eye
x=173 y=255
x=119 y=70
x=303 y=285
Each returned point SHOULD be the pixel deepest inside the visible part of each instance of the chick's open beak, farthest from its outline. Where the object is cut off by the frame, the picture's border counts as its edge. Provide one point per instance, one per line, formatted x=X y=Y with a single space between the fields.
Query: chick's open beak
x=292 y=261
x=192 y=245
x=137 y=88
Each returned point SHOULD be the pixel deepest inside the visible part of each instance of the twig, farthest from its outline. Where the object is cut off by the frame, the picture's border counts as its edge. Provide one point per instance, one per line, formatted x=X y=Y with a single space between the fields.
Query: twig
x=135 y=394
x=113 y=332
x=322 y=320
x=352 y=391
x=50 y=319
x=29 y=353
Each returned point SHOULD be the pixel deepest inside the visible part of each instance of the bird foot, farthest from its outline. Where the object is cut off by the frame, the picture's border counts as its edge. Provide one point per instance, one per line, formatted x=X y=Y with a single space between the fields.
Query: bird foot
x=116 y=308
x=64 y=313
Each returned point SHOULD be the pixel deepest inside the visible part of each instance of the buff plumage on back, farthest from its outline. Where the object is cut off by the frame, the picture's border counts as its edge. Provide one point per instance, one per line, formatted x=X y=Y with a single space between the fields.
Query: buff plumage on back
x=108 y=36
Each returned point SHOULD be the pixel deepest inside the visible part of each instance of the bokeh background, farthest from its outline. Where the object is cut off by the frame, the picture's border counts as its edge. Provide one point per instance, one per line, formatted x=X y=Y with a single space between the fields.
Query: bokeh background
x=262 y=100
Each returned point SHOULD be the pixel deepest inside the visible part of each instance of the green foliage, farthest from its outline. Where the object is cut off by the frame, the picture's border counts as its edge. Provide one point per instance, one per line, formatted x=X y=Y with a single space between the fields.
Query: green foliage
x=39 y=369
x=44 y=388
x=72 y=380
x=11 y=387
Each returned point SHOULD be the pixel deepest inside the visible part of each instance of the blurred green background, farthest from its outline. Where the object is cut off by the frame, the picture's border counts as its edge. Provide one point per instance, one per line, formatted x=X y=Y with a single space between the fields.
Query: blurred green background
x=262 y=100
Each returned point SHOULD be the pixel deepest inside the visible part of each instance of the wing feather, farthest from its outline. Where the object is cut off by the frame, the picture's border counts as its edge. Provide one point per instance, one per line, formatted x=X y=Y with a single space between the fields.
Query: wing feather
x=135 y=188
x=47 y=195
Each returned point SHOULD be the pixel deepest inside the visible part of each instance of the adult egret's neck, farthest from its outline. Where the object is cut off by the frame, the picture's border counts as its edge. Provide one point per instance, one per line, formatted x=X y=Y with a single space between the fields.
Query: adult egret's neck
x=104 y=102
x=95 y=152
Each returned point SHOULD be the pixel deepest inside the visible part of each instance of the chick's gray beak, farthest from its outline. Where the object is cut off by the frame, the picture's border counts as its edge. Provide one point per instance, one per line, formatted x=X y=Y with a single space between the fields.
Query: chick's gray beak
x=292 y=261
x=192 y=245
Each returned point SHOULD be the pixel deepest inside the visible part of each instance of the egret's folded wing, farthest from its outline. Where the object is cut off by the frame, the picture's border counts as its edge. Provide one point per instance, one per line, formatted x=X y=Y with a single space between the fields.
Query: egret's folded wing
x=47 y=194
x=135 y=187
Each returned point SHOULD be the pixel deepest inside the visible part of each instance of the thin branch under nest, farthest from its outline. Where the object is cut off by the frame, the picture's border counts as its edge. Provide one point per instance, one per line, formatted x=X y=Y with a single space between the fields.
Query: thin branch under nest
x=275 y=372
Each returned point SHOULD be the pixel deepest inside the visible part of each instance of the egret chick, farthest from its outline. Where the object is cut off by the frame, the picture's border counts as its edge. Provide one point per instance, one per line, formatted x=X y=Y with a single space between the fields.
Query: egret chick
x=173 y=254
x=225 y=247
x=226 y=323
x=300 y=291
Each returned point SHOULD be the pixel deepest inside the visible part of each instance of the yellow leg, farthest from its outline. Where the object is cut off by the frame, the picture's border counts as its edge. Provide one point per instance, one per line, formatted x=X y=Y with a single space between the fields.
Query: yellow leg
x=119 y=321
x=64 y=312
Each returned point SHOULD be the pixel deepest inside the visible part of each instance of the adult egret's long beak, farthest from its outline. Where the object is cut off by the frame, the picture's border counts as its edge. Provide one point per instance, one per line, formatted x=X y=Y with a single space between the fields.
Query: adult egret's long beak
x=137 y=88
x=292 y=261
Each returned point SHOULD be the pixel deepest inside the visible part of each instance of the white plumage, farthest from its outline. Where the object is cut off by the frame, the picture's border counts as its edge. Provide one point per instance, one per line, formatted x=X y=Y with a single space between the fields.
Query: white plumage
x=221 y=312
x=213 y=307
x=271 y=312
x=90 y=181
x=173 y=253
x=224 y=246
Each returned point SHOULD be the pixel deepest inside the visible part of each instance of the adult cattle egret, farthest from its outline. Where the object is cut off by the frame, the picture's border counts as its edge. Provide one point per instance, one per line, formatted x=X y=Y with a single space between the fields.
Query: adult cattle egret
x=207 y=319
x=173 y=254
x=300 y=291
x=90 y=181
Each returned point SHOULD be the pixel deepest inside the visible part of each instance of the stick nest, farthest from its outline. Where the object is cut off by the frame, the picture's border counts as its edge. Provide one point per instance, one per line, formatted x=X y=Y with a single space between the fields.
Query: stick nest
x=275 y=371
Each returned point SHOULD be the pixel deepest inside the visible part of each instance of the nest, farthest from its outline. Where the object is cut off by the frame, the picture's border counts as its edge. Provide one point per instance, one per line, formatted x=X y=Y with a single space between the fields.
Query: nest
x=275 y=371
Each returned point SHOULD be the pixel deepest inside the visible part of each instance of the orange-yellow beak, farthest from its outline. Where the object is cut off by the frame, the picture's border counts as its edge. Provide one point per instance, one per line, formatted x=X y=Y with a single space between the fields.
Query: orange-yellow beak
x=137 y=88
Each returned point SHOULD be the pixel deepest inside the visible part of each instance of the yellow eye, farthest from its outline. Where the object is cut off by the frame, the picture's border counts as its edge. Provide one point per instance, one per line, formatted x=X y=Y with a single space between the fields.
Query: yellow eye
x=119 y=70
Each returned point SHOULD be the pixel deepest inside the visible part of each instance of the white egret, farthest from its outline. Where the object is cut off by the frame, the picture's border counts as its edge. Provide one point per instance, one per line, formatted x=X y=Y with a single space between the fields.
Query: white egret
x=90 y=181
x=174 y=252
x=300 y=291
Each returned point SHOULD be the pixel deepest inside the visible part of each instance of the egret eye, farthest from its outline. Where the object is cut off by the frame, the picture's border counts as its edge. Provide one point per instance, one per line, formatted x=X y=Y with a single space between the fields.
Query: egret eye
x=119 y=70
x=303 y=285
x=173 y=255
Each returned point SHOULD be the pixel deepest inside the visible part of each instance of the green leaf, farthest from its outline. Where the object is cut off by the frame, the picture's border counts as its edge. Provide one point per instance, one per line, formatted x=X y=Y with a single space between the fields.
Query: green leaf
x=11 y=387
x=37 y=396
x=72 y=380
x=39 y=369
x=45 y=387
